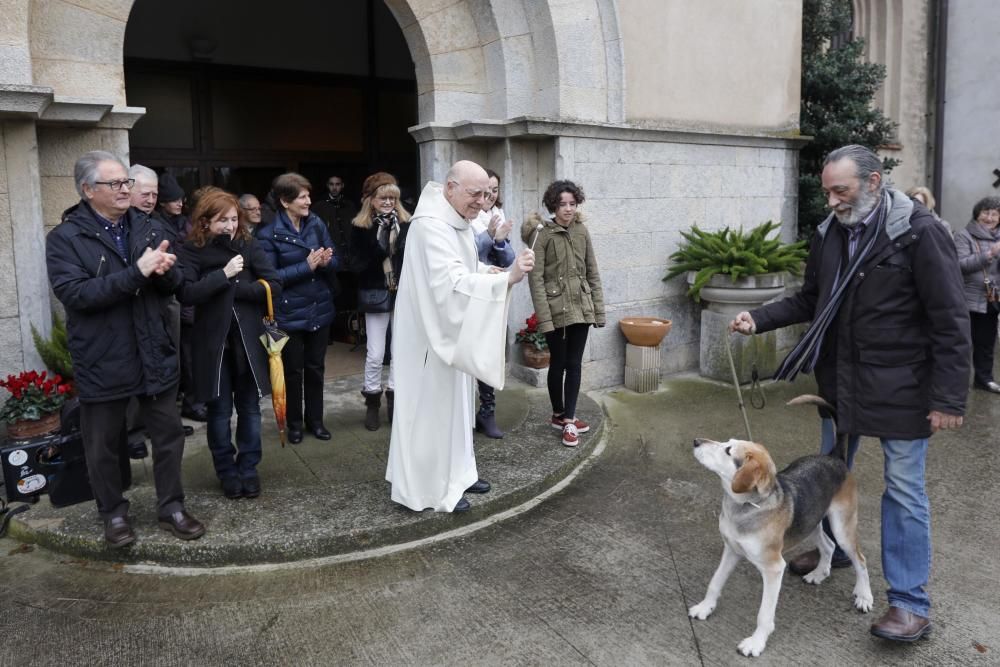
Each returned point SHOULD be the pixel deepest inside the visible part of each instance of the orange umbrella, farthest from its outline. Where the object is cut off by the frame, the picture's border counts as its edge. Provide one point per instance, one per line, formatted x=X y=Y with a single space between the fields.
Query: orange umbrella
x=274 y=340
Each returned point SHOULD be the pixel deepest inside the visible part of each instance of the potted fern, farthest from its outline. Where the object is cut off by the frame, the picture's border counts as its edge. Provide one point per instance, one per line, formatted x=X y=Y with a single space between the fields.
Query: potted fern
x=732 y=269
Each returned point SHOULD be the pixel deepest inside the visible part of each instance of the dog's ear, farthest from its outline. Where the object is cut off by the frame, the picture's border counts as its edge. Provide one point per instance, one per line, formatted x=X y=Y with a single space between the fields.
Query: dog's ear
x=749 y=474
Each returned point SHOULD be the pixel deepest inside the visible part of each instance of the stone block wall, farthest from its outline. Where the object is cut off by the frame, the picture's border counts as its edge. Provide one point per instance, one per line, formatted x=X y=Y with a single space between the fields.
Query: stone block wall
x=640 y=196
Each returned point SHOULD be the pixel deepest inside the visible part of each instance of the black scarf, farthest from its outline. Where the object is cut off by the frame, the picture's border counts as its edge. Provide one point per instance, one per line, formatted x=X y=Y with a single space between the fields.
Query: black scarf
x=803 y=357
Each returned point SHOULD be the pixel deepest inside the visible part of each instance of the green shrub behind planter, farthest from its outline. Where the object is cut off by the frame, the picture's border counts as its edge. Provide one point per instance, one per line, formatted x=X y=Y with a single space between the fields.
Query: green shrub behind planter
x=54 y=351
x=735 y=253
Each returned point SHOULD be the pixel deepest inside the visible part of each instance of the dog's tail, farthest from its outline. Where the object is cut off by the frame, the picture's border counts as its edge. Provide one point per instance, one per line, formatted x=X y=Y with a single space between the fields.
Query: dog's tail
x=827 y=410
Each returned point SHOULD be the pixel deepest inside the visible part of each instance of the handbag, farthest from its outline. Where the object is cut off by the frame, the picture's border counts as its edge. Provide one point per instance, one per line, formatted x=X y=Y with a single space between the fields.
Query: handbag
x=374 y=300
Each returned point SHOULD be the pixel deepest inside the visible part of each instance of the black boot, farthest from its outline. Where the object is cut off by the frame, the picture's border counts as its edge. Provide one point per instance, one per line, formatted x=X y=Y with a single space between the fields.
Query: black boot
x=486 y=424
x=374 y=402
x=390 y=395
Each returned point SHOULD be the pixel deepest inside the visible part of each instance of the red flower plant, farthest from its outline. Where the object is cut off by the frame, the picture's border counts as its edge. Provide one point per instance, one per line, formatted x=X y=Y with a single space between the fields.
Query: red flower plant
x=531 y=334
x=33 y=395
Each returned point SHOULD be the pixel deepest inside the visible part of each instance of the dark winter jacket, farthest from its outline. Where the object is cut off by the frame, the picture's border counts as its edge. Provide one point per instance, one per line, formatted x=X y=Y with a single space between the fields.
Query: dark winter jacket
x=117 y=320
x=306 y=302
x=565 y=284
x=338 y=214
x=227 y=311
x=899 y=346
x=371 y=248
x=972 y=244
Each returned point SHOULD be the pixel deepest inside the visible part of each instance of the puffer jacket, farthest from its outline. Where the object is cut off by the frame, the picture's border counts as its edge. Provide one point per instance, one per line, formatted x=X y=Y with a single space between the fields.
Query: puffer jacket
x=306 y=302
x=972 y=243
x=565 y=284
x=117 y=320
x=899 y=346
x=227 y=310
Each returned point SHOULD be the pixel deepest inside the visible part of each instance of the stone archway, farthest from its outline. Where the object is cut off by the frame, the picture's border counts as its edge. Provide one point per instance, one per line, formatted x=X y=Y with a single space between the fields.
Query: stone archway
x=499 y=60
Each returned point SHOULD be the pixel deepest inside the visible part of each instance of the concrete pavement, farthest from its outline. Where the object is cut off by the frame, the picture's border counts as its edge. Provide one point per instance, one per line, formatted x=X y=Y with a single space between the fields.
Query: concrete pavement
x=600 y=574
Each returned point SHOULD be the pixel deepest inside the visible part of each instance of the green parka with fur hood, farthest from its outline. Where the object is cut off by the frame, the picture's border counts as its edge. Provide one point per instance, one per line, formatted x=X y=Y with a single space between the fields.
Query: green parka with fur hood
x=565 y=284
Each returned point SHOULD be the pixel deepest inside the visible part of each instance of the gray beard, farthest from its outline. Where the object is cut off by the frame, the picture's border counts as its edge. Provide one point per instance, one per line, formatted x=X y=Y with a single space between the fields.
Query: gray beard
x=862 y=206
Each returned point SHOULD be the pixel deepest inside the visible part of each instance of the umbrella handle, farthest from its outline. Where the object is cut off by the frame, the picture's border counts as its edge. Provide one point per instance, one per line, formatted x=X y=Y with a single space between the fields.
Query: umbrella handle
x=270 y=304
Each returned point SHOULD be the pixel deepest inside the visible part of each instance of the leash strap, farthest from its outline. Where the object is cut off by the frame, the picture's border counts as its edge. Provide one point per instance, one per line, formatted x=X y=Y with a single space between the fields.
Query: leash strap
x=757 y=398
x=736 y=382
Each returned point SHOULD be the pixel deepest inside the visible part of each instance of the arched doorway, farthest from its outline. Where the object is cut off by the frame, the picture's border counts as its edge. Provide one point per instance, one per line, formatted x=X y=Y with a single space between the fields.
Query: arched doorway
x=239 y=91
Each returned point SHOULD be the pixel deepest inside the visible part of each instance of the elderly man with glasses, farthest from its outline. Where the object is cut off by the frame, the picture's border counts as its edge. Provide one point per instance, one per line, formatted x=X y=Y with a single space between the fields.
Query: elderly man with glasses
x=450 y=328
x=112 y=268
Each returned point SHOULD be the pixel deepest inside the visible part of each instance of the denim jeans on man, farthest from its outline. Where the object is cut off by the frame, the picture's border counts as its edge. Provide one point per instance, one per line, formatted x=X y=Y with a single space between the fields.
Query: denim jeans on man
x=906 y=519
x=248 y=447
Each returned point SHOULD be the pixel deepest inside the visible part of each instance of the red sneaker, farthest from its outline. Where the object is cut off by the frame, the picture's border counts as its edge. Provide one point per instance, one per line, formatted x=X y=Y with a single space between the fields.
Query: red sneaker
x=558 y=422
x=569 y=437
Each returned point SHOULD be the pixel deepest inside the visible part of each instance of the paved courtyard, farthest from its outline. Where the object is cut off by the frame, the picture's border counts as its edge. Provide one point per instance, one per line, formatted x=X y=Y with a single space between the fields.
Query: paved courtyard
x=600 y=573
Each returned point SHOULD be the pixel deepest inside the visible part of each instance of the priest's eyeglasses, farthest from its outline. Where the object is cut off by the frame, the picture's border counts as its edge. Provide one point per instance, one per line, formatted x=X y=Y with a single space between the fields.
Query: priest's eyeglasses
x=117 y=185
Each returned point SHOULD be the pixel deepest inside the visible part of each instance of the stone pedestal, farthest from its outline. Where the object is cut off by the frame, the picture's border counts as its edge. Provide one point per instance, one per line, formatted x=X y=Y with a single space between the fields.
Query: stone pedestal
x=642 y=368
x=759 y=349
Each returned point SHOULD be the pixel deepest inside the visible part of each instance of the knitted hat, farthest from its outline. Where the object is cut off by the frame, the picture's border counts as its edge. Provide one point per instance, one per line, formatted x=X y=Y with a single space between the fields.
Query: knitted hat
x=169 y=190
x=375 y=181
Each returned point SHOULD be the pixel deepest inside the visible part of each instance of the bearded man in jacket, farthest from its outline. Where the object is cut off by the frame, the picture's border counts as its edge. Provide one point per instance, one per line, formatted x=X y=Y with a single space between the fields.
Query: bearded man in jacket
x=112 y=269
x=889 y=343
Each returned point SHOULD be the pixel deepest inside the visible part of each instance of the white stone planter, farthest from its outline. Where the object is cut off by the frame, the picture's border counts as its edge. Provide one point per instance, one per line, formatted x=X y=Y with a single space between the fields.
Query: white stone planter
x=722 y=295
x=723 y=300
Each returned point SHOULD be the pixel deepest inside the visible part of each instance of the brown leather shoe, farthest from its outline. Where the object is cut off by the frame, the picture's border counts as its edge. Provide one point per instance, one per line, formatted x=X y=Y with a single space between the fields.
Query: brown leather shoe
x=807 y=562
x=183 y=525
x=901 y=626
x=118 y=532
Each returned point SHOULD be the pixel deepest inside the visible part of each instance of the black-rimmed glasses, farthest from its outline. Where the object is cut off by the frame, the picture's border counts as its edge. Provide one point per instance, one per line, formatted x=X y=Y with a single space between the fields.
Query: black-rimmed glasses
x=117 y=185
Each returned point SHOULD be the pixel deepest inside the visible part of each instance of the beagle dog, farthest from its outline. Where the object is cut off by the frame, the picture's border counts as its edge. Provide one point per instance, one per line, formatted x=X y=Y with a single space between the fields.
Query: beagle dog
x=766 y=514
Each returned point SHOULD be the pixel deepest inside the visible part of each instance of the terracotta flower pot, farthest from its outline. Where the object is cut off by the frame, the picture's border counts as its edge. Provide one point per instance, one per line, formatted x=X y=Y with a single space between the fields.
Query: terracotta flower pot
x=645 y=331
x=24 y=429
x=533 y=357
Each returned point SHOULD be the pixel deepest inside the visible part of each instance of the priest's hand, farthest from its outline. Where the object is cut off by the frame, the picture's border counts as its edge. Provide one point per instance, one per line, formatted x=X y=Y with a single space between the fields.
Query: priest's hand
x=524 y=263
x=743 y=324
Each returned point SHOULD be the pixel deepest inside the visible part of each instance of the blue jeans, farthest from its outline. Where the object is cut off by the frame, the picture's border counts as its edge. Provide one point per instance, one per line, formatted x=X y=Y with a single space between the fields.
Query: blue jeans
x=228 y=462
x=906 y=518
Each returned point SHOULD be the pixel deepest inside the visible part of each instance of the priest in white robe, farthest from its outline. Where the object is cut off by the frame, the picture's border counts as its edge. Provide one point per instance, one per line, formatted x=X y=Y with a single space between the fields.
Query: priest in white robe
x=449 y=328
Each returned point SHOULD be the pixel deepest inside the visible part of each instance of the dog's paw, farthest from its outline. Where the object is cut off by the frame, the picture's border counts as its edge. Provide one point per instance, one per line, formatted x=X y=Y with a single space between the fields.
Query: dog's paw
x=863 y=599
x=702 y=610
x=817 y=576
x=752 y=645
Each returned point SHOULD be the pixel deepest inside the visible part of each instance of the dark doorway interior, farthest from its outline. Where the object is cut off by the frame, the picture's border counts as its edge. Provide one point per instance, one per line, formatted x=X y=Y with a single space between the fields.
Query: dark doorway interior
x=237 y=92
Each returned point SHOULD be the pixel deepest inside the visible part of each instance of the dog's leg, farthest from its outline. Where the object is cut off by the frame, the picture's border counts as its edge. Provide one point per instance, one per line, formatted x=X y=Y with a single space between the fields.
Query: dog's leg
x=727 y=564
x=826 y=547
x=771 y=573
x=844 y=524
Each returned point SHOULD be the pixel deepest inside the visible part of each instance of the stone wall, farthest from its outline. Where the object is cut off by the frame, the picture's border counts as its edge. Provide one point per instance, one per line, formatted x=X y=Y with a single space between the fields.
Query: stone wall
x=640 y=196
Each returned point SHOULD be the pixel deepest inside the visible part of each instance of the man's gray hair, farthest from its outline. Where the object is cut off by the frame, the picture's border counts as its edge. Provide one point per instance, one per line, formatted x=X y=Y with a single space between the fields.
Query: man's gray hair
x=245 y=200
x=866 y=161
x=85 y=169
x=141 y=172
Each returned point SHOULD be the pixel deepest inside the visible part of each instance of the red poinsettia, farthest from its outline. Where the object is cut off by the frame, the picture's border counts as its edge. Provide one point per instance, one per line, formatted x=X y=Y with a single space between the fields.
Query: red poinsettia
x=33 y=395
x=531 y=334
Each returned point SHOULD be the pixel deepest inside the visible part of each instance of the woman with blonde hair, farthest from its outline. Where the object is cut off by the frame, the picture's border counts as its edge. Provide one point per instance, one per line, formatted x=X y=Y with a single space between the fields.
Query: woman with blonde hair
x=378 y=234
x=221 y=263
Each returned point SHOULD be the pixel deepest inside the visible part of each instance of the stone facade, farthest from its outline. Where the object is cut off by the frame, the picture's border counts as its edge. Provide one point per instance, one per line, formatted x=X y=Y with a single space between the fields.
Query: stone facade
x=631 y=98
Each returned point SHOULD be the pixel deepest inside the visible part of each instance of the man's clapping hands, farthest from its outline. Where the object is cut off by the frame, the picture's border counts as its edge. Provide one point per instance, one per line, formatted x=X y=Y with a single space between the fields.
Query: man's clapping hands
x=158 y=260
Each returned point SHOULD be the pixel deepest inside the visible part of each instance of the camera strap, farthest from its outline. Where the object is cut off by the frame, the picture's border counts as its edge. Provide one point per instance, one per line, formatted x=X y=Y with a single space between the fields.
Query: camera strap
x=7 y=513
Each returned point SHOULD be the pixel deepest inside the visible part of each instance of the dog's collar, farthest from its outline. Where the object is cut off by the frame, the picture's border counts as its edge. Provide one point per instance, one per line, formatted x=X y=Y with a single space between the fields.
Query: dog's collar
x=751 y=503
